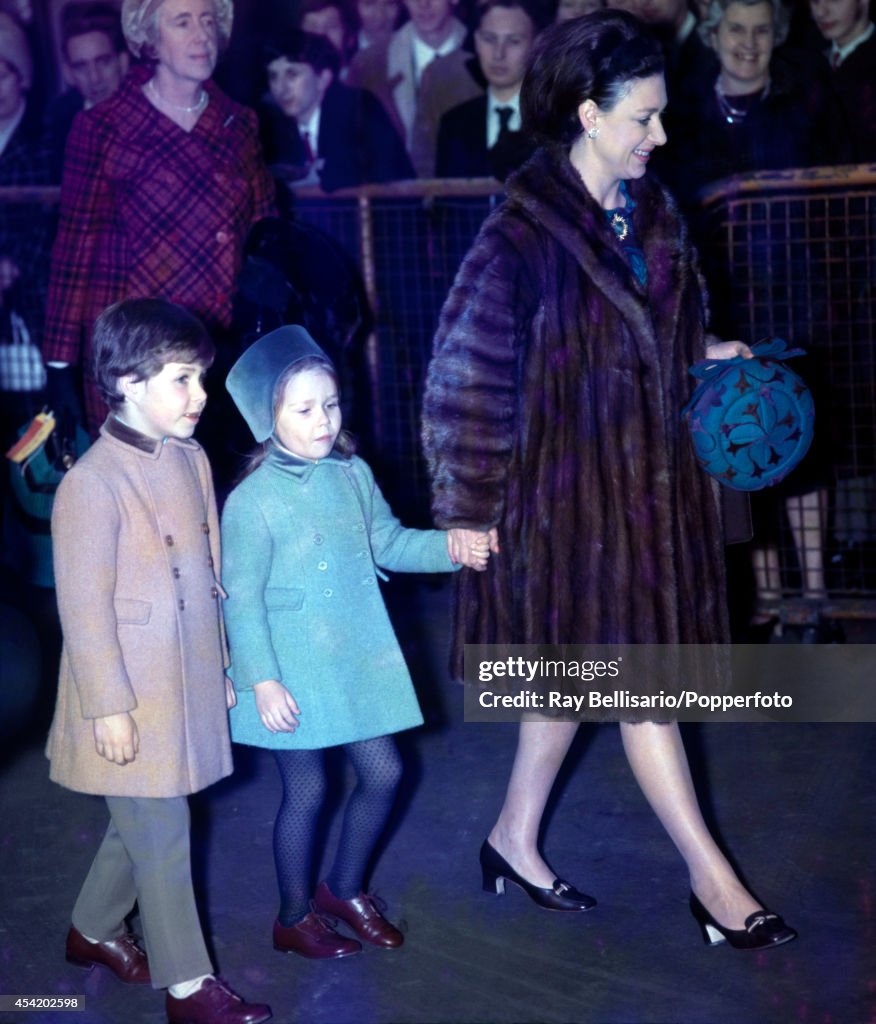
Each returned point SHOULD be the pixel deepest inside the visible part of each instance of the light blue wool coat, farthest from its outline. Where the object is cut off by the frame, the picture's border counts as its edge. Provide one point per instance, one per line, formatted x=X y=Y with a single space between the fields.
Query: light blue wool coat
x=302 y=543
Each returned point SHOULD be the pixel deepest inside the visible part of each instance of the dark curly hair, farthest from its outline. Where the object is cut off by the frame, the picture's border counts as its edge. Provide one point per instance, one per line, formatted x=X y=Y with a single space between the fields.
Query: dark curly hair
x=596 y=58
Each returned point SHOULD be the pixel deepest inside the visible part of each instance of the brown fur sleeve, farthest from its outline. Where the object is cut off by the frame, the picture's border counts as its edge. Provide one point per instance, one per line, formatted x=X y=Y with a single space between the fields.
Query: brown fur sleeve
x=469 y=409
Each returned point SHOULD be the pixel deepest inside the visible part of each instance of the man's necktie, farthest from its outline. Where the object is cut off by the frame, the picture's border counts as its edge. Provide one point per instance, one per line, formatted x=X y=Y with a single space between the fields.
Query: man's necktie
x=308 y=149
x=504 y=119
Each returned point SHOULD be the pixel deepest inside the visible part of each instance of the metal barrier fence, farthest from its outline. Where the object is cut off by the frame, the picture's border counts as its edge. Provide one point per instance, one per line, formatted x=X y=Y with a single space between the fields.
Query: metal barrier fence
x=789 y=253
x=793 y=254
x=410 y=239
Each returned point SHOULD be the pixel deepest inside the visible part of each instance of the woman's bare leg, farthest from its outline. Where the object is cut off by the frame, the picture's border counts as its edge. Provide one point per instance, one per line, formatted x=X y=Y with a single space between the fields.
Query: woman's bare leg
x=659 y=762
x=541 y=748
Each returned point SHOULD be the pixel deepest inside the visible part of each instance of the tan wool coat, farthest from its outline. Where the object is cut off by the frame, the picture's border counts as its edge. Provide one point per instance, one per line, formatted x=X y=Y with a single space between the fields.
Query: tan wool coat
x=136 y=548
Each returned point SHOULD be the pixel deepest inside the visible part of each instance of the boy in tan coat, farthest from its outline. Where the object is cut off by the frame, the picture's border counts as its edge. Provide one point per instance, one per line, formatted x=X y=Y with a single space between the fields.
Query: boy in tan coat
x=141 y=716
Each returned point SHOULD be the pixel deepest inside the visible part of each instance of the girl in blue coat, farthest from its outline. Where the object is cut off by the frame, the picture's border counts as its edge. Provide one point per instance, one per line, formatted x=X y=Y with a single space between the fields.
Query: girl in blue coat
x=315 y=661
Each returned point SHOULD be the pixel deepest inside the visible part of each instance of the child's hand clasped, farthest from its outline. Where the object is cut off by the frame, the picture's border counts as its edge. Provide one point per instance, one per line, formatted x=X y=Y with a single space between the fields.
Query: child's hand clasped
x=276 y=706
x=472 y=547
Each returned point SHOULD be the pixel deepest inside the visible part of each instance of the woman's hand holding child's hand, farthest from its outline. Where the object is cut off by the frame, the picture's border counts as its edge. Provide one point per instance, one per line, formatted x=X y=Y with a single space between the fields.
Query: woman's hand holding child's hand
x=472 y=547
x=116 y=738
x=276 y=706
x=230 y=695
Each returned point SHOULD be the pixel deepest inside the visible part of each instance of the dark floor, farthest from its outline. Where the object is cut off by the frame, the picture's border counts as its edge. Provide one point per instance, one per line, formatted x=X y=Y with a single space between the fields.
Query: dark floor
x=796 y=805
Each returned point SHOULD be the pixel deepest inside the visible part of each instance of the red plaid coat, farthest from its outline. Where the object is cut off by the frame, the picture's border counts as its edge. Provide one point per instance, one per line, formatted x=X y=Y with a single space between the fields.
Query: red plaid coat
x=150 y=210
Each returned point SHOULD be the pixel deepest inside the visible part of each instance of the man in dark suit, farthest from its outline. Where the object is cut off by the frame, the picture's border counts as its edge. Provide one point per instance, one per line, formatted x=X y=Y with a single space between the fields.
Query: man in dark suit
x=482 y=137
x=95 y=62
x=319 y=130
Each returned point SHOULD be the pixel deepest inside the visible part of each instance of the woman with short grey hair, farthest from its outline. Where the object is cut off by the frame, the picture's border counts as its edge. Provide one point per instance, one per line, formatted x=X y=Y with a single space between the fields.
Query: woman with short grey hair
x=764 y=109
x=140 y=24
x=715 y=10
x=162 y=183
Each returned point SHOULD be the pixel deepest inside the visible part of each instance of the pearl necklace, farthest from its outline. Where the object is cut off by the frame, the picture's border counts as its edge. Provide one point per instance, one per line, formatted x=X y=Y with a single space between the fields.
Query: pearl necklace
x=194 y=109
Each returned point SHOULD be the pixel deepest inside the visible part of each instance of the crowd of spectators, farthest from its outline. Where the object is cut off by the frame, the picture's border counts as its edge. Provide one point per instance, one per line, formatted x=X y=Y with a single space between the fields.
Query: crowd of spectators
x=424 y=59
x=350 y=92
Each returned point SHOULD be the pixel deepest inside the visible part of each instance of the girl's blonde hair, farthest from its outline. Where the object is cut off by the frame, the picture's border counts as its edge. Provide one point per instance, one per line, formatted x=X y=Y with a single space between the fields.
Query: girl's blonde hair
x=345 y=444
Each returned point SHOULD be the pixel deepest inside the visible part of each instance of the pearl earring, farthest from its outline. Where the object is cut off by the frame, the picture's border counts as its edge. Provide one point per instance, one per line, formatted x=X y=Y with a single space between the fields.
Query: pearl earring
x=592 y=132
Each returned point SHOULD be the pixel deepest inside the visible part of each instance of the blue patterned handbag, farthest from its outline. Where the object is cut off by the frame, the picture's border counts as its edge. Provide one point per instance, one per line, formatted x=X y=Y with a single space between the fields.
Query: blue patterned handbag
x=751 y=420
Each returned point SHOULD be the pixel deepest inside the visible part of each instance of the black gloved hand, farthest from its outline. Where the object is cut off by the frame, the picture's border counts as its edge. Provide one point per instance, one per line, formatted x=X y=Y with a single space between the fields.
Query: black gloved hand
x=62 y=393
x=64 y=401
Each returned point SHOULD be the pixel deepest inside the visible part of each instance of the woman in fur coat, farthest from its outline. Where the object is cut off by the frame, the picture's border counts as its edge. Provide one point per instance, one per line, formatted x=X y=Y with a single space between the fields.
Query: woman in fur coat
x=552 y=422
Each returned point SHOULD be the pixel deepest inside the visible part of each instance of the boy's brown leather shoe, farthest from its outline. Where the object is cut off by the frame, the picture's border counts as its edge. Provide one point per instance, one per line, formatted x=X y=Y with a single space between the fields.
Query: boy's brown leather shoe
x=362 y=915
x=314 y=938
x=215 y=1003
x=122 y=956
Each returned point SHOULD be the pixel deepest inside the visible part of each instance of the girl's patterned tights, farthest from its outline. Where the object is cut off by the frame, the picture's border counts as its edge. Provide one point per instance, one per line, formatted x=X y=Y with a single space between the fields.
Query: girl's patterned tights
x=378 y=768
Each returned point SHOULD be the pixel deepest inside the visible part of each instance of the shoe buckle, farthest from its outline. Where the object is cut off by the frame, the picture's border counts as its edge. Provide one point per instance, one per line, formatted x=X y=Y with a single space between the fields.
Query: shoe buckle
x=761 y=920
x=374 y=903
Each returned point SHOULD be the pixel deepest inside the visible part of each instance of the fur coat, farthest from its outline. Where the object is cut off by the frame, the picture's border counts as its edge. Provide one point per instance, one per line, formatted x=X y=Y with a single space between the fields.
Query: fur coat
x=553 y=412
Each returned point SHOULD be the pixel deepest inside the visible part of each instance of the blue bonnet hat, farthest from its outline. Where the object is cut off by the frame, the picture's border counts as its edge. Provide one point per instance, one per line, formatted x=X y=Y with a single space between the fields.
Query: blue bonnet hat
x=252 y=380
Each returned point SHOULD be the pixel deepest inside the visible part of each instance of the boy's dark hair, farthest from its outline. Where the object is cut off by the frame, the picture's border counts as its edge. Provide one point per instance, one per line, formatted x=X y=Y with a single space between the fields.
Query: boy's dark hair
x=536 y=11
x=78 y=19
x=349 y=19
x=139 y=337
x=303 y=48
x=345 y=10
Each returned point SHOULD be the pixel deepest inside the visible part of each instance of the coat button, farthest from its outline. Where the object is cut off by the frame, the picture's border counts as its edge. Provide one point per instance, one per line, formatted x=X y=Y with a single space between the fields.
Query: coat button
x=210 y=561
x=322 y=566
x=317 y=538
x=214 y=593
x=181 y=605
x=367 y=581
x=359 y=527
x=327 y=592
x=222 y=237
x=176 y=574
x=205 y=528
x=168 y=540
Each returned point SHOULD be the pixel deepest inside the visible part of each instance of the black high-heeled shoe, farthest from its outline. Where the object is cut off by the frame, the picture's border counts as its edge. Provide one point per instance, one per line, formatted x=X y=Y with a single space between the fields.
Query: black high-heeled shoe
x=762 y=929
x=560 y=896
